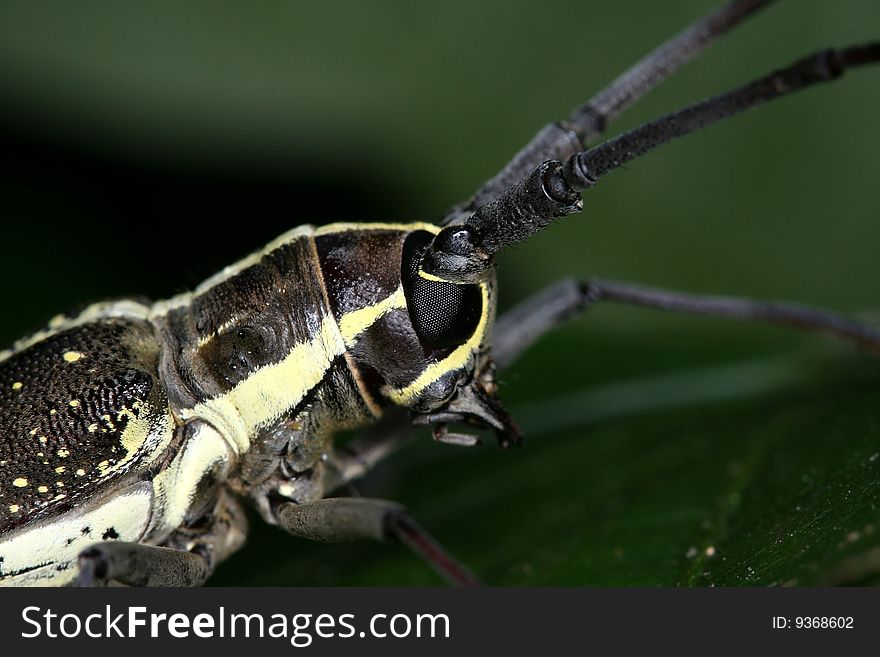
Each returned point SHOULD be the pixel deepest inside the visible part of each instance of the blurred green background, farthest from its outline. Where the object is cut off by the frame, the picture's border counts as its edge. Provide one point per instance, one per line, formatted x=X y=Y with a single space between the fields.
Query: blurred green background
x=150 y=144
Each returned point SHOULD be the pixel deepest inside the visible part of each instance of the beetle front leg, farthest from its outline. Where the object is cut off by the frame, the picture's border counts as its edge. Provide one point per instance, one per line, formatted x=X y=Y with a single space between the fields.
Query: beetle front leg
x=333 y=520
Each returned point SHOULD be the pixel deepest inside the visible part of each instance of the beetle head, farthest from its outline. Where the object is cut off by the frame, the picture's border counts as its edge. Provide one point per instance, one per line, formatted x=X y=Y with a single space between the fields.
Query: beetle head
x=432 y=357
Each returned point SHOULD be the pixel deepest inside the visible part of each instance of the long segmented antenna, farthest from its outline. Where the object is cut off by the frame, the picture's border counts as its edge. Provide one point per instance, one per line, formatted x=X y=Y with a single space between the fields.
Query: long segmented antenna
x=463 y=253
x=561 y=140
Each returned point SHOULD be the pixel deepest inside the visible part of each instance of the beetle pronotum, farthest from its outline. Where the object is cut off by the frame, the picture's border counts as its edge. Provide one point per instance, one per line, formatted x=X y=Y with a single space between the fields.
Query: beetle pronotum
x=73 y=359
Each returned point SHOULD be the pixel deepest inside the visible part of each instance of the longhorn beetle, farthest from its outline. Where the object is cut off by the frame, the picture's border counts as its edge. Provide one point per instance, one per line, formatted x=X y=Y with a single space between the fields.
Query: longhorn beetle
x=132 y=432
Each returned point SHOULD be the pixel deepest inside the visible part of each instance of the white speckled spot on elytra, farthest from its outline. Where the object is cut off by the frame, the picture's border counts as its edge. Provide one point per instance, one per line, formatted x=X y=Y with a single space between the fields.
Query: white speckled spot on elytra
x=74 y=403
x=72 y=356
x=59 y=469
x=80 y=472
x=63 y=453
x=43 y=489
x=13 y=508
x=21 y=482
x=18 y=385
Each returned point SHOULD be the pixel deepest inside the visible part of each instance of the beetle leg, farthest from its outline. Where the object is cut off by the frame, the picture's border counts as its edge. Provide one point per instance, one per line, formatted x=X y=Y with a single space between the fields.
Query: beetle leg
x=340 y=519
x=524 y=324
x=134 y=564
x=358 y=456
x=187 y=558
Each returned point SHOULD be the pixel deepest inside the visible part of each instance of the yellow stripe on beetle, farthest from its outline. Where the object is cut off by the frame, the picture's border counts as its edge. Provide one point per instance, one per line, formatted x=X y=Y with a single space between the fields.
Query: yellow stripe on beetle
x=272 y=390
x=345 y=227
x=356 y=322
x=456 y=360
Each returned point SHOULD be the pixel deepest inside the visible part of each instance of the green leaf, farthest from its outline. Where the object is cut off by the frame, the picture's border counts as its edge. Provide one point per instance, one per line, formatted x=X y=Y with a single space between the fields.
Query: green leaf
x=740 y=473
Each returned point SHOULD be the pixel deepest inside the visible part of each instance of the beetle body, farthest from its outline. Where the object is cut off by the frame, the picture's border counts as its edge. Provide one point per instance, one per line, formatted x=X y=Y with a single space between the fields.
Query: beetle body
x=145 y=426
x=148 y=423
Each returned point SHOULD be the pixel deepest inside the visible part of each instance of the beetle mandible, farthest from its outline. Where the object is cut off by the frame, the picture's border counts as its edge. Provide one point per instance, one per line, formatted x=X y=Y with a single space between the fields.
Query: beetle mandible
x=133 y=426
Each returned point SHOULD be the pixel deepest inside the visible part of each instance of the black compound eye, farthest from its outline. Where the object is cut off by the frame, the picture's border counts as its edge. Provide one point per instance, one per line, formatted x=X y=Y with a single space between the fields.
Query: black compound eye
x=443 y=314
